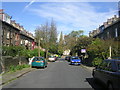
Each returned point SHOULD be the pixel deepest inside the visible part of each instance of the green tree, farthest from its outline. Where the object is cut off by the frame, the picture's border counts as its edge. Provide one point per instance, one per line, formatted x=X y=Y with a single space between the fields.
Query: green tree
x=61 y=44
x=76 y=33
x=49 y=35
x=71 y=41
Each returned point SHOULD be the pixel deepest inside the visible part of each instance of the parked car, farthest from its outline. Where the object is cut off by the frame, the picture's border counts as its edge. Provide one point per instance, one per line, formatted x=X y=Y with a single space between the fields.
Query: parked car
x=39 y=62
x=108 y=72
x=75 y=60
x=52 y=58
x=68 y=58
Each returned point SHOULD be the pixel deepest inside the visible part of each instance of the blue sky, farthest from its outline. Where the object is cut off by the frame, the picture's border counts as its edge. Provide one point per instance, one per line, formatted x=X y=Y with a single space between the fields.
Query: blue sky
x=68 y=16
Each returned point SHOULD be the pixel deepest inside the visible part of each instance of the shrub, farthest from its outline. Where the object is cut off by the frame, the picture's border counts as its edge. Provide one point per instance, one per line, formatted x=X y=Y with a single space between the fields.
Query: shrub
x=12 y=68
x=12 y=50
x=97 y=61
x=20 y=51
x=18 y=67
x=31 y=53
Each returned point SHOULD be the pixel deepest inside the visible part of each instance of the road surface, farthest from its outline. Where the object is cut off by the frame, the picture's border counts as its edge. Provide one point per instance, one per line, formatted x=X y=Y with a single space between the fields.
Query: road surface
x=58 y=74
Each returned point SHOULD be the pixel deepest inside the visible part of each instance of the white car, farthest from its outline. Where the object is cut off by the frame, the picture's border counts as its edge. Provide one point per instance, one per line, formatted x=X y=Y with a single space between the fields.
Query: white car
x=52 y=58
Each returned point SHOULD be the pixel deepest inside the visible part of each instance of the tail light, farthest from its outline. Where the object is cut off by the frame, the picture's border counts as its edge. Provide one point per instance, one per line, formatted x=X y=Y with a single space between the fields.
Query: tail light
x=32 y=60
x=42 y=61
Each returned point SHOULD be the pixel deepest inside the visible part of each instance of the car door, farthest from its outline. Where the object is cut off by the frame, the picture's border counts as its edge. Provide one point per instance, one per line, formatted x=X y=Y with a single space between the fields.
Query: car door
x=101 y=71
x=118 y=75
x=98 y=71
x=110 y=74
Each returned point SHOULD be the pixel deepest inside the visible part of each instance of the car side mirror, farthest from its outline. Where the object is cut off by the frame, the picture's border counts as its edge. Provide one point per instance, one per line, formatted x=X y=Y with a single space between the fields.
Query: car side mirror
x=96 y=66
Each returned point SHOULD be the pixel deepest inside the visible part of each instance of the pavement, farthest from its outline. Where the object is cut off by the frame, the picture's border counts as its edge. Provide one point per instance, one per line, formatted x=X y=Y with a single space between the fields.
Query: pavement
x=87 y=67
x=7 y=77
x=58 y=74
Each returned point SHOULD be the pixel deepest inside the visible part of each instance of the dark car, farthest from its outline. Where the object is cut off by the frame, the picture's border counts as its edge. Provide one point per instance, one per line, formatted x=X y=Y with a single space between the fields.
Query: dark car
x=108 y=72
x=74 y=60
x=68 y=58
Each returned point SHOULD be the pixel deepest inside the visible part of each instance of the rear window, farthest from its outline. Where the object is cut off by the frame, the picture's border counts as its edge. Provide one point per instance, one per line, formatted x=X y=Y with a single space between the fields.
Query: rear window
x=38 y=58
x=75 y=57
x=51 y=56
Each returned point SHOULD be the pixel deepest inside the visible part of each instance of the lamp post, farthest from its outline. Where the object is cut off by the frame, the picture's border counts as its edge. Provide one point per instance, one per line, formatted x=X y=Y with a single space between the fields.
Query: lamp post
x=110 y=52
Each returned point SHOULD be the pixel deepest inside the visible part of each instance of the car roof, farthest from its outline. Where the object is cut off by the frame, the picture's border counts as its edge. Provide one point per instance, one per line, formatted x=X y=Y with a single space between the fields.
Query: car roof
x=38 y=57
x=113 y=60
x=68 y=56
x=74 y=56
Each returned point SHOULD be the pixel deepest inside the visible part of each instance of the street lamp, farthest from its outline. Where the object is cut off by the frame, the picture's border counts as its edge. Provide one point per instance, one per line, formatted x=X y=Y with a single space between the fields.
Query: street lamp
x=39 y=46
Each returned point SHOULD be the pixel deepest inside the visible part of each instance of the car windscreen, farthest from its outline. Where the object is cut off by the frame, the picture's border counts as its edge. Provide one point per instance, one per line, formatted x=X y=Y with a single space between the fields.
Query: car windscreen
x=75 y=57
x=118 y=66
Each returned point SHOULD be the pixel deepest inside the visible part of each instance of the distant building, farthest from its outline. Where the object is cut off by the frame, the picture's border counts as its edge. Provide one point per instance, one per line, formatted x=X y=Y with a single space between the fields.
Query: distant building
x=66 y=52
x=94 y=32
x=110 y=32
x=109 y=29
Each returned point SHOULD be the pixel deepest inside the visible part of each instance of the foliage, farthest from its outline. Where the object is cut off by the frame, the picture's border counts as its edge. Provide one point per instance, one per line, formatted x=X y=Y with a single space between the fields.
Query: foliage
x=98 y=48
x=12 y=50
x=71 y=41
x=18 y=67
x=20 y=51
x=31 y=53
x=53 y=49
x=97 y=61
x=48 y=32
x=61 y=44
x=78 y=33
x=82 y=43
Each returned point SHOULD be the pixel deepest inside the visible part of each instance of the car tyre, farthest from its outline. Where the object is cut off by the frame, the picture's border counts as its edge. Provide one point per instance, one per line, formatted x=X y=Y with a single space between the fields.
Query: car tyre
x=32 y=66
x=95 y=80
x=43 y=66
x=110 y=86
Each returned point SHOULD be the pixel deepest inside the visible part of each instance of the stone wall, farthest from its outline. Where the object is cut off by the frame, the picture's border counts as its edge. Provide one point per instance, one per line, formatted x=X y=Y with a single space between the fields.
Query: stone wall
x=13 y=61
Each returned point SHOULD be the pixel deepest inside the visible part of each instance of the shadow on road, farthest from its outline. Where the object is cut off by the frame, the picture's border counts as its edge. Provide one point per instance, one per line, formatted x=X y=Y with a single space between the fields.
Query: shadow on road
x=73 y=65
x=95 y=85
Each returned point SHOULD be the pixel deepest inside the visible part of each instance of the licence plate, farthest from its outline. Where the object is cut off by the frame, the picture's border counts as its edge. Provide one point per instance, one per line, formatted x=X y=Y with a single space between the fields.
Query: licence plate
x=76 y=63
x=38 y=61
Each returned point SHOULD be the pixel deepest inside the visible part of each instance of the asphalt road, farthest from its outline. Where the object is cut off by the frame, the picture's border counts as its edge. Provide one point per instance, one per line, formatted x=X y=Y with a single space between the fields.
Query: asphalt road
x=58 y=74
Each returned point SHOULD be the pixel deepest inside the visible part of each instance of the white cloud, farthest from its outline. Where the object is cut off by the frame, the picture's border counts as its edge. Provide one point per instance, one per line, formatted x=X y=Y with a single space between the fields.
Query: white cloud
x=73 y=15
x=28 y=5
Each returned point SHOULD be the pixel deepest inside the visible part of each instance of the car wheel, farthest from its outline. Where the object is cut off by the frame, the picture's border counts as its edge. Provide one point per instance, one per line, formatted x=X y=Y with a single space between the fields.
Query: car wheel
x=110 y=86
x=32 y=66
x=95 y=80
x=44 y=66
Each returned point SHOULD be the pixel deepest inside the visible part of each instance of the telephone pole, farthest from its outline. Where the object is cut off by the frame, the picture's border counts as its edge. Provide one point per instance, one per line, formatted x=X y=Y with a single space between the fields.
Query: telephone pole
x=39 y=48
